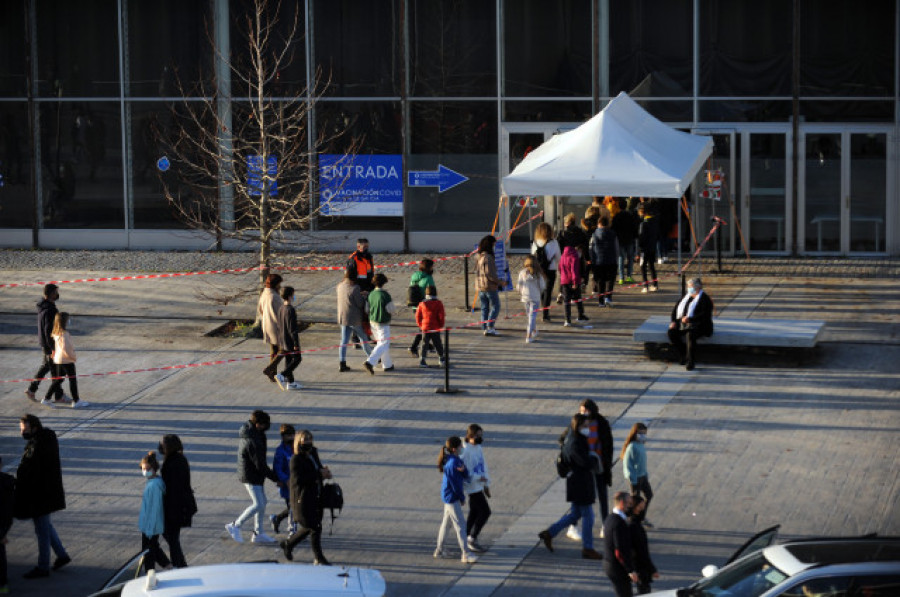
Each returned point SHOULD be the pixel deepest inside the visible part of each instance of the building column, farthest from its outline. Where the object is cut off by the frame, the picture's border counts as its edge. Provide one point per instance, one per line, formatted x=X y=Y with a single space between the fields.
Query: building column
x=223 y=113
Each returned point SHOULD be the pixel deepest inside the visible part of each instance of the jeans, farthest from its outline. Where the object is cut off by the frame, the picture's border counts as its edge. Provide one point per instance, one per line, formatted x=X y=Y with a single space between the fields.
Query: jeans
x=346 y=332
x=47 y=539
x=626 y=260
x=55 y=391
x=605 y=275
x=479 y=512
x=45 y=368
x=453 y=513
x=586 y=514
x=490 y=308
x=382 y=334
x=532 y=308
x=257 y=508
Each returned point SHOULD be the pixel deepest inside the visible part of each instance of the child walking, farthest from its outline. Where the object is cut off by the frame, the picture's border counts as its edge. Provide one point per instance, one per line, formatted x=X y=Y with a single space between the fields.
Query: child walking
x=430 y=319
x=419 y=283
x=477 y=486
x=63 y=364
x=531 y=285
x=381 y=307
x=454 y=498
x=570 y=283
x=151 y=520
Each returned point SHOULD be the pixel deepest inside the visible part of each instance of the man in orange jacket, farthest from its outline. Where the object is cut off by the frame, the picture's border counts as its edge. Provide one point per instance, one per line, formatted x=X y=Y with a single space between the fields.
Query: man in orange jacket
x=430 y=319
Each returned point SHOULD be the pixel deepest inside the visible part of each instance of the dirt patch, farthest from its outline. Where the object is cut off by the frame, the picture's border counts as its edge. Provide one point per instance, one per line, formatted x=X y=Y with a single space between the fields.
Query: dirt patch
x=244 y=328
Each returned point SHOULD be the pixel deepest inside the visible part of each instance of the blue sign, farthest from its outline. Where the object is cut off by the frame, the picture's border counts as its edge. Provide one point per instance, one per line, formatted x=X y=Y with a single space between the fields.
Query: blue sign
x=163 y=164
x=443 y=178
x=502 y=266
x=255 y=175
x=361 y=185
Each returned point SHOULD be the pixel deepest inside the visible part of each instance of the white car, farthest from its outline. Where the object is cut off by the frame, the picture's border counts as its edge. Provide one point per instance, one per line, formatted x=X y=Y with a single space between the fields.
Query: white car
x=250 y=580
x=840 y=567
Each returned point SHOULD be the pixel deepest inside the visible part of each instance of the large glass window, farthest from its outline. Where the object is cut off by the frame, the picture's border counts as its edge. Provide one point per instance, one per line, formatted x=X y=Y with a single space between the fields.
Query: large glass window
x=169 y=48
x=546 y=111
x=745 y=48
x=12 y=49
x=547 y=48
x=284 y=44
x=651 y=47
x=357 y=47
x=453 y=48
x=81 y=165
x=16 y=197
x=823 y=192
x=461 y=136
x=847 y=49
x=78 y=48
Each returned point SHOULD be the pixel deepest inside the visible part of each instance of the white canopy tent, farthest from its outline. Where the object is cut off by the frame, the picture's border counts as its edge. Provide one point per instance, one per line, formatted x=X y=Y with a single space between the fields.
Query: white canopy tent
x=622 y=151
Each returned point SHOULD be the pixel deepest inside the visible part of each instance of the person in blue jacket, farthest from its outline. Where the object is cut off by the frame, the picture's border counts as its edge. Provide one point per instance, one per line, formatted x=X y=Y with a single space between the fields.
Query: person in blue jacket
x=634 y=466
x=454 y=497
x=281 y=464
x=151 y=519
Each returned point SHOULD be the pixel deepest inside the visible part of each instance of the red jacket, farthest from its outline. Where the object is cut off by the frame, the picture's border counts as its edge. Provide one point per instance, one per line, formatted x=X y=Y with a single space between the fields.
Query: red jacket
x=430 y=315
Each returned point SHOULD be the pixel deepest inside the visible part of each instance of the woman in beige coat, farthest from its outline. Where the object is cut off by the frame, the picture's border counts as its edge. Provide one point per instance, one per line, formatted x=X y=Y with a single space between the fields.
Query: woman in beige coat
x=270 y=304
x=63 y=365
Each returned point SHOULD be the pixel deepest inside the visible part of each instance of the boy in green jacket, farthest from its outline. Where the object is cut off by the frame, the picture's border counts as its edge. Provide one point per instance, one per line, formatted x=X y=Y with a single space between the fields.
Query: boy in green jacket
x=380 y=309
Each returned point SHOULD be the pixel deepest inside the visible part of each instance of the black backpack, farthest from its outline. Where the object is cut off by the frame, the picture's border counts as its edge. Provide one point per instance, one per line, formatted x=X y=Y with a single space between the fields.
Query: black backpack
x=332 y=498
x=541 y=256
x=414 y=295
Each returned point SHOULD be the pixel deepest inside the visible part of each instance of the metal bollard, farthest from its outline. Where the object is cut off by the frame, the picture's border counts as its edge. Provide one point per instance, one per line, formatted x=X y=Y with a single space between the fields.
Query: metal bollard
x=467 y=304
x=446 y=389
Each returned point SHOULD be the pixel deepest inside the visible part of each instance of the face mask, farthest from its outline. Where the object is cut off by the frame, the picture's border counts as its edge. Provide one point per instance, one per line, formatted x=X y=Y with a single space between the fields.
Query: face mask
x=27 y=435
x=584 y=431
x=147 y=473
x=479 y=441
x=690 y=290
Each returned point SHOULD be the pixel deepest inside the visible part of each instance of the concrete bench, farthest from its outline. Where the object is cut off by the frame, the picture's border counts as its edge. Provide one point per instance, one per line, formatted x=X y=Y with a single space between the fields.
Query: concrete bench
x=780 y=333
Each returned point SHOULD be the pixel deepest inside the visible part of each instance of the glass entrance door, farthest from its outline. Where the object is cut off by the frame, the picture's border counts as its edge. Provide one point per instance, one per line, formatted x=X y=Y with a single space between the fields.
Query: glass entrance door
x=866 y=205
x=765 y=190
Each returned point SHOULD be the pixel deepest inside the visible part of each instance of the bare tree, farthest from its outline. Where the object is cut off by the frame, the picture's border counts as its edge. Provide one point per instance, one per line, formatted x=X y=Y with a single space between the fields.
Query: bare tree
x=243 y=167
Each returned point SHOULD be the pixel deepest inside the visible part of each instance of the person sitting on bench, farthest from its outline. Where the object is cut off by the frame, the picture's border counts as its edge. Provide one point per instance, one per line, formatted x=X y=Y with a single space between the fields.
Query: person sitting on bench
x=691 y=319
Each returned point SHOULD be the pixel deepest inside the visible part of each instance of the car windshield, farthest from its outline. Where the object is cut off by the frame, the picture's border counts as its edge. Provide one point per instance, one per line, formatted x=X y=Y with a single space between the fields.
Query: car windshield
x=749 y=577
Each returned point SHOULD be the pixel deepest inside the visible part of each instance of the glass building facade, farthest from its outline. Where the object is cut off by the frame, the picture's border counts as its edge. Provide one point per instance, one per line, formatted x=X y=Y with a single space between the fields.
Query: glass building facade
x=801 y=98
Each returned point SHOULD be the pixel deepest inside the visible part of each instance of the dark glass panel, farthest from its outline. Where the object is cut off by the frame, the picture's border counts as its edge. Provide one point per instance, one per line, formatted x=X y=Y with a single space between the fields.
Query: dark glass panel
x=453 y=48
x=78 y=48
x=16 y=195
x=745 y=111
x=651 y=47
x=669 y=111
x=545 y=111
x=357 y=47
x=286 y=45
x=547 y=48
x=847 y=48
x=13 y=82
x=81 y=161
x=169 y=48
x=359 y=127
x=461 y=136
x=745 y=47
x=847 y=111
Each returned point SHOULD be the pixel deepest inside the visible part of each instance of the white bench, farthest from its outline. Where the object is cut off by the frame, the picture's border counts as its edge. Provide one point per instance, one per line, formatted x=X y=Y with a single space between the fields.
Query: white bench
x=780 y=333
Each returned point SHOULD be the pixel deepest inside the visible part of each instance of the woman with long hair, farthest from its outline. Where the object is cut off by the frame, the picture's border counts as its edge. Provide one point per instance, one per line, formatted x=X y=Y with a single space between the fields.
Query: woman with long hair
x=546 y=250
x=454 y=497
x=179 y=505
x=634 y=465
x=487 y=285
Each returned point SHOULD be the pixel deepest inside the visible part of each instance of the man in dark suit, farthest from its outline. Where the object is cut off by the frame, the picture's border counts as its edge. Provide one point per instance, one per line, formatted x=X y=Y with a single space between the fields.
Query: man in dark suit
x=691 y=319
x=617 y=561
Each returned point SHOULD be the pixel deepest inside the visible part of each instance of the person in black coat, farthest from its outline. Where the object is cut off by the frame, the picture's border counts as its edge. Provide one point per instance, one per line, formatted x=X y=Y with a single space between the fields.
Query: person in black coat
x=307 y=474
x=179 y=505
x=618 y=563
x=7 y=500
x=640 y=546
x=580 y=489
x=625 y=227
x=691 y=319
x=290 y=340
x=253 y=470
x=648 y=236
x=46 y=315
x=39 y=492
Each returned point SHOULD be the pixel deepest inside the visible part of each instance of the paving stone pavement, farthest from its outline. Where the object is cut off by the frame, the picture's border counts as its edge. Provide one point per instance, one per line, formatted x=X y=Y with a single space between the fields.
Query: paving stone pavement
x=743 y=442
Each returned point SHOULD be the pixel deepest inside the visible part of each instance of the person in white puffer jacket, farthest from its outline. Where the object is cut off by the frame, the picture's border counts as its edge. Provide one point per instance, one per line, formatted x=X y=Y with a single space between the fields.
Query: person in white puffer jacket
x=531 y=284
x=477 y=486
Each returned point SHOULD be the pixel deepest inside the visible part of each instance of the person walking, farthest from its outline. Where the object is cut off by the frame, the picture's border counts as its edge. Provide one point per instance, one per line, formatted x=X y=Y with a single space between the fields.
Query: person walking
x=648 y=236
x=487 y=285
x=351 y=310
x=7 y=504
x=289 y=338
x=477 y=486
x=419 y=283
x=430 y=318
x=454 y=498
x=47 y=311
x=179 y=505
x=640 y=547
x=307 y=475
x=580 y=492
x=604 y=257
x=547 y=253
x=63 y=365
x=570 y=284
x=253 y=472
x=39 y=492
x=600 y=442
x=691 y=319
x=618 y=563
x=531 y=285
x=381 y=307
x=634 y=466
x=281 y=464
x=361 y=266
x=267 y=310
x=624 y=225
x=151 y=520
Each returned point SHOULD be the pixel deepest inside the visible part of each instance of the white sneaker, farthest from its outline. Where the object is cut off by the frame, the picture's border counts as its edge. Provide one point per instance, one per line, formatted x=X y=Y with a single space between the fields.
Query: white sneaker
x=281 y=381
x=294 y=385
x=475 y=546
x=439 y=554
x=644 y=290
x=609 y=303
x=235 y=532
x=566 y=324
x=81 y=404
x=47 y=402
x=491 y=332
x=528 y=340
x=573 y=533
x=654 y=288
x=469 y=558
x=261 y=538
